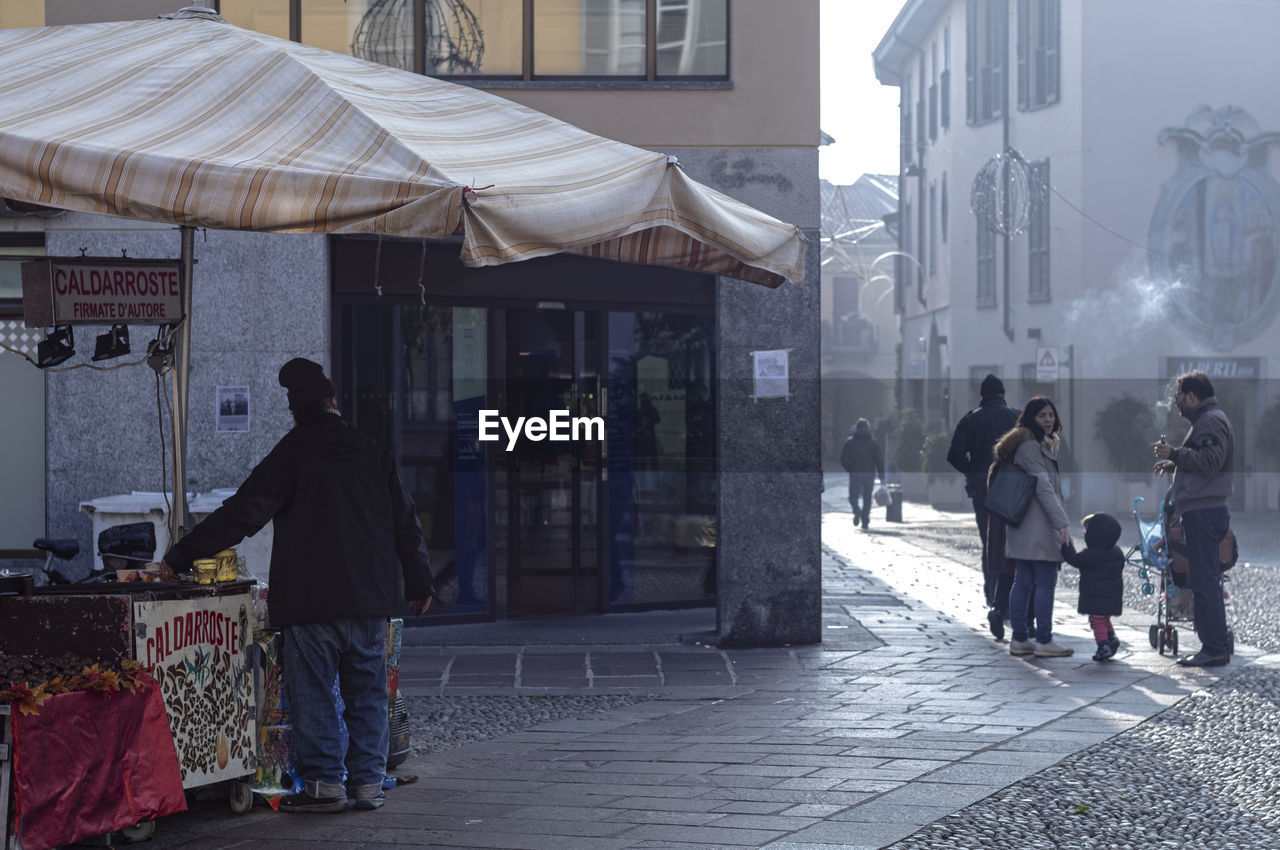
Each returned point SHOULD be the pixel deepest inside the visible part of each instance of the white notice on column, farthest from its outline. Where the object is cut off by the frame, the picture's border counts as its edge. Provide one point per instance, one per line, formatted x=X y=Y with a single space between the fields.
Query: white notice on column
x=771 y=374
x=232 y=412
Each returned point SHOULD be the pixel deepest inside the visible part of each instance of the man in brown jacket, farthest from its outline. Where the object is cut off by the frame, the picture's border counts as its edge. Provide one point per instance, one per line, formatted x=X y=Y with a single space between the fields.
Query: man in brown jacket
x=1202 y=482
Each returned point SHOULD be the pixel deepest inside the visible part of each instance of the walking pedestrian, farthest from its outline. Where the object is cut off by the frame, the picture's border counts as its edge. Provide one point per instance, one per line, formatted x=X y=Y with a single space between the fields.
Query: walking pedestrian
x=347 y=553
x=1101 y=567
x=861 y=458
x=1202 y=482
x=1035 y=544
x=970 y=453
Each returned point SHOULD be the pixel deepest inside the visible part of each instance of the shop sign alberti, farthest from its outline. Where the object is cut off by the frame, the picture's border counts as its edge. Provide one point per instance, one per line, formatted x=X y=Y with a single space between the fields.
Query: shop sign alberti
x=101 y=291
x=197 y=647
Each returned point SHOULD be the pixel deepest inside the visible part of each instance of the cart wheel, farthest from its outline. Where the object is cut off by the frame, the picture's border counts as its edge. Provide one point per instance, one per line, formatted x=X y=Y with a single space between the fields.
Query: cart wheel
x=240 y=796
x=1154 y=634
x=1173 y=641
x=138 y=832
x=1160 y=638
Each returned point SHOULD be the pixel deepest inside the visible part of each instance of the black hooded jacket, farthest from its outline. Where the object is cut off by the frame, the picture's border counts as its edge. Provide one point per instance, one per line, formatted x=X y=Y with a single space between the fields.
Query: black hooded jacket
x=860 y=454
x=1101 y=567
x=347 y=542
x=975 y=437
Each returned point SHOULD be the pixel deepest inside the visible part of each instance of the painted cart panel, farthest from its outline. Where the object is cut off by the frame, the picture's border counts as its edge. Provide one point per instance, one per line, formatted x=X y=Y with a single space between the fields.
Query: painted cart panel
x=198 y=648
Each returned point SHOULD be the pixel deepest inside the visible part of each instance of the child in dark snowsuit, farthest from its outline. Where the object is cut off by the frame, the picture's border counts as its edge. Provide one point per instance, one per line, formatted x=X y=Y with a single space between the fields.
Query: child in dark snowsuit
x=1101 y=567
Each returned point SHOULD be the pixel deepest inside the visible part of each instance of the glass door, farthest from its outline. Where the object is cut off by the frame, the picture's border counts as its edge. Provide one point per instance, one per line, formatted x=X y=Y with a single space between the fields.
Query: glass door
x=550 y=472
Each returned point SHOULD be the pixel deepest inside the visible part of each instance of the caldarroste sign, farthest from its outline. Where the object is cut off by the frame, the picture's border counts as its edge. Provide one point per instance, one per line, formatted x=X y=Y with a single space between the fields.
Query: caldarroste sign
x=100 y=291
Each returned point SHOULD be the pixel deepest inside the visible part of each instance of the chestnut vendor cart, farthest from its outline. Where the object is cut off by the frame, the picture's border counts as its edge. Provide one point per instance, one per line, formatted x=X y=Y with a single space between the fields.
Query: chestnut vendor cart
x=194 y=636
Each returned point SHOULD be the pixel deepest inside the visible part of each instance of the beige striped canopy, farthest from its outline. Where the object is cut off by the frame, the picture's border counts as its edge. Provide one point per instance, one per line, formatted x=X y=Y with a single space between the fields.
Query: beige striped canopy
x=191 y=120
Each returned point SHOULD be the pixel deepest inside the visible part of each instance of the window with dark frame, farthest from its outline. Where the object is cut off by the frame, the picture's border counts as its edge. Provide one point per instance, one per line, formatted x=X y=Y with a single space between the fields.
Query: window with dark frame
x=986 y=24
x=943 y=212
x=1039 y=34
x=986 y=249
x=1038 y=233
x=909 y=266
x=933 y=94
x=933 y=228
x=623 y=40
x=946 y=77
x=907 y=146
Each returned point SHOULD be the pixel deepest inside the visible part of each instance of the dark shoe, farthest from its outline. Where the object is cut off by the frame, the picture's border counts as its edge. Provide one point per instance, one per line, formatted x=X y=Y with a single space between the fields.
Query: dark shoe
x=1104 y=652
x=1203 y=659
x=995 y=621
x=368 y=804
x=1113 y=642
x=304 y=802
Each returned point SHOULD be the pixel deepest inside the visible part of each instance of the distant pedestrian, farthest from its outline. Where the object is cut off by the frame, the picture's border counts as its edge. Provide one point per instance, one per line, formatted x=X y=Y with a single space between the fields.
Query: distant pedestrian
x=1035 y=544
x=1101 y=567
x=861 y=458
x=1202 y=482
x=970 y=453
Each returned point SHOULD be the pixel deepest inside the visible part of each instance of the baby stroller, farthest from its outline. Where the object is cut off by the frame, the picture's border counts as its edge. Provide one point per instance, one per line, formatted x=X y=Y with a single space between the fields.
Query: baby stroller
x=1160 y=555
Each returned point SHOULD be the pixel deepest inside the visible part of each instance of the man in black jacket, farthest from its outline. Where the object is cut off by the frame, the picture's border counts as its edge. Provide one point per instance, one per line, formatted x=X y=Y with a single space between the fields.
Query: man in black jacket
x=347 y=553
x=970 y=453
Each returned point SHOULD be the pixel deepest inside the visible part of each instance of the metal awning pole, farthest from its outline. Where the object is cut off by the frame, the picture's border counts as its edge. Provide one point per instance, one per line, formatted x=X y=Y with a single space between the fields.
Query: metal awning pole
x=181 y=381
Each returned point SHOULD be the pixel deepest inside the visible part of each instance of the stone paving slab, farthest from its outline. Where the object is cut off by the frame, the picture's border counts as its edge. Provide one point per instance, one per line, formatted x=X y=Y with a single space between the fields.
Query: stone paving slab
x=910 y=716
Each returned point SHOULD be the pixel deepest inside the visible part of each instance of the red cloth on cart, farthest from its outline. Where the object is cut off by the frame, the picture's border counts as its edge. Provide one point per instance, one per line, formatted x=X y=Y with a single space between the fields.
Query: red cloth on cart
x=91 y=763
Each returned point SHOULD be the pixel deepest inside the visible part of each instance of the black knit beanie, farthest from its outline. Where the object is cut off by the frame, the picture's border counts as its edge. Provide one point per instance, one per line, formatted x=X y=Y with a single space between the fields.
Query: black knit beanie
x=306 y=382
x=991 y=385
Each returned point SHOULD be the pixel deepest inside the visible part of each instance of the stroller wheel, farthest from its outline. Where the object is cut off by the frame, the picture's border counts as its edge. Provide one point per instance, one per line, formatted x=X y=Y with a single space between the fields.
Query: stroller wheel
x=1154 y=635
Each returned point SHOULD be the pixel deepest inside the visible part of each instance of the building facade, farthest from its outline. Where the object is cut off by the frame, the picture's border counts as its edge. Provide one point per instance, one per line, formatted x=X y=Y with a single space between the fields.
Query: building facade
x=859 y=325
x=695 y=494
x=1089 y=206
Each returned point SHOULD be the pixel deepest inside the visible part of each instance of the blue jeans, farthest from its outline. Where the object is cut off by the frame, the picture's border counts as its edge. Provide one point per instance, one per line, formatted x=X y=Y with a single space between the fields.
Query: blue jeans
x=1033 y=584
x=353 y=651
x=1204 y=530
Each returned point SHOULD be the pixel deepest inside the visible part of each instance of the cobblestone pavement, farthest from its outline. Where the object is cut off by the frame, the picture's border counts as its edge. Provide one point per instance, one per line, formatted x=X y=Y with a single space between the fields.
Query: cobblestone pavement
x=908 y=725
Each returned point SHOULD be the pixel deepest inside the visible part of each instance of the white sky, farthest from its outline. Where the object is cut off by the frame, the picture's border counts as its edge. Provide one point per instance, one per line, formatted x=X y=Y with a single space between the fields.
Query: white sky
x=857 y=111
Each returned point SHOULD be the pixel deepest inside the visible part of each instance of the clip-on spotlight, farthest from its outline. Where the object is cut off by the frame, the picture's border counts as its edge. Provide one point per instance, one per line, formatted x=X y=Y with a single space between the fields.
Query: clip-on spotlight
x=57 y=346
x=113 y=343
x=160 y=350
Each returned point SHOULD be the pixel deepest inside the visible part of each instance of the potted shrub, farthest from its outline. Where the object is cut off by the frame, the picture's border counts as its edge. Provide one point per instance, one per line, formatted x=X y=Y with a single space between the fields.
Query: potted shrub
x=906 y=440
x=946 y=486
x=1128 y=427
x=1267 y=446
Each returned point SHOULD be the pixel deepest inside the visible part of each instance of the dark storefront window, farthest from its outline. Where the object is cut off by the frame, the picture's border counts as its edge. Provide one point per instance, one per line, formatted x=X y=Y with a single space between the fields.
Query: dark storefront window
x=416 y=379
x=661 y=458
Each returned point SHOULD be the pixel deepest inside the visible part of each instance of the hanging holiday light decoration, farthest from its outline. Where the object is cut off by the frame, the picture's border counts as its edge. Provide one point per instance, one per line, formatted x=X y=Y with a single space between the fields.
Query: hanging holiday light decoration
x=1003 y=194
x=453 y=41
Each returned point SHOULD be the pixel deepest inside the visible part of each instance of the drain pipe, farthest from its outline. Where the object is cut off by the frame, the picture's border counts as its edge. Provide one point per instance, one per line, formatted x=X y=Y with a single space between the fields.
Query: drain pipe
x=1004 y=175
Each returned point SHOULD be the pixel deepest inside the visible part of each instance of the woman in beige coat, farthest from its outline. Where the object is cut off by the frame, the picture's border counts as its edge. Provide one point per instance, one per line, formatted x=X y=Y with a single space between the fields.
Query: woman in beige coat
x=1033 y=445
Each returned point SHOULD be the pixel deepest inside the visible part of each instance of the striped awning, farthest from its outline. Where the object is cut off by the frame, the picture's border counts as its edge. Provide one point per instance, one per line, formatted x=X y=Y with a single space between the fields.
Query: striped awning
x=191 y=120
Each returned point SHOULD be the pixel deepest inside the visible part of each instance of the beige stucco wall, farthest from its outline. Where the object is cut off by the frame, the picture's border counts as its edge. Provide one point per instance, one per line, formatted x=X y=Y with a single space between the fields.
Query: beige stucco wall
x=773 y=102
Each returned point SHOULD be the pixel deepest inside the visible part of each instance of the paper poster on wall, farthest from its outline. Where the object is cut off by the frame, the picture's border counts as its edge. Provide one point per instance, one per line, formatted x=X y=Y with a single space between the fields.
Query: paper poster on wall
x=771 y=372
x=232 y=409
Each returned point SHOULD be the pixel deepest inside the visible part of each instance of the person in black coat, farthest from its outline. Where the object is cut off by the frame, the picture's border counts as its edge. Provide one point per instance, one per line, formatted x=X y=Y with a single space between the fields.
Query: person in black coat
x=1101 y=567
x=861 y=458
x=347 y=554
x=970 y=453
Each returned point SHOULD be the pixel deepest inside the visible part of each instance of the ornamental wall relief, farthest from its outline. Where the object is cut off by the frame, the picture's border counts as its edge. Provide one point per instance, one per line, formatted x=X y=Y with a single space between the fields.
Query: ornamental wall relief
x=1216 y=228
